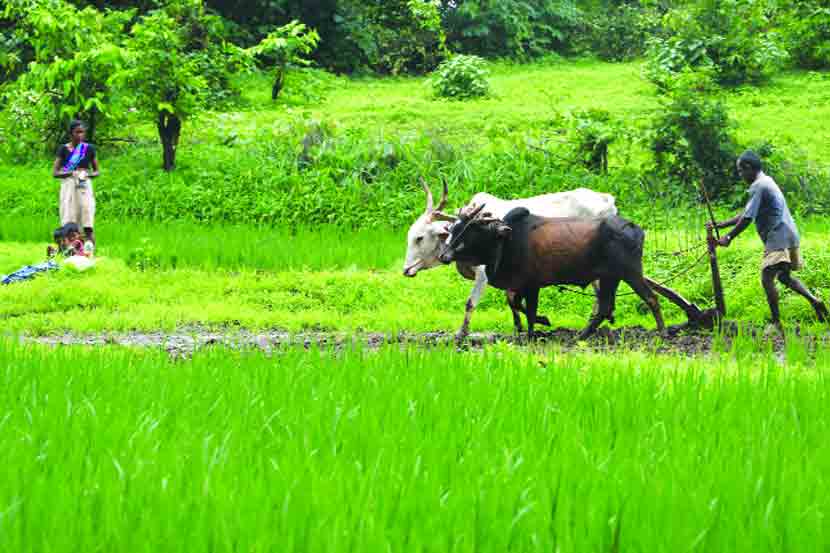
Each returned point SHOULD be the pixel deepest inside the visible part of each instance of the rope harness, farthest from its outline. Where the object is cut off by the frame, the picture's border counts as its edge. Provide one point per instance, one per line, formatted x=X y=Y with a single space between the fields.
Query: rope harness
x=675 y=276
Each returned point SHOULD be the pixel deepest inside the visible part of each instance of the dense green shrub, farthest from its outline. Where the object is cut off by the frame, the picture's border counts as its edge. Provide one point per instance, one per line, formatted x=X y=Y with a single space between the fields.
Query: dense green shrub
x=592 y=132
x=619 y=33
x=511 y=28
x=692 y=140
x=461 y=77
x=807 y=29
x=803 y=181
x=730 y=38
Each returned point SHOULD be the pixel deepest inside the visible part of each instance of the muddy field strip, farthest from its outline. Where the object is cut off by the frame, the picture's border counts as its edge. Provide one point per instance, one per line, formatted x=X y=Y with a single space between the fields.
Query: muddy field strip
x=187 y=340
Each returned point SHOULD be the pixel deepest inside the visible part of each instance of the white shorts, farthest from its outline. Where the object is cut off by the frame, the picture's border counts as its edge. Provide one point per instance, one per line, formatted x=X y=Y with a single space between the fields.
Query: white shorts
x=77 y=202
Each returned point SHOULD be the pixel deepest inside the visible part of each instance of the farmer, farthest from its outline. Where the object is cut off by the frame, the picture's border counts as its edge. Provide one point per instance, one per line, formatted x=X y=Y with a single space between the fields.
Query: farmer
x=776 y=228
x=76 y=164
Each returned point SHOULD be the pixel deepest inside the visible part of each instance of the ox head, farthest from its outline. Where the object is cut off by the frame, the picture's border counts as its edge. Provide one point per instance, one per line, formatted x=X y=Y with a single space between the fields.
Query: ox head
x=473 y=236
x=427 y=234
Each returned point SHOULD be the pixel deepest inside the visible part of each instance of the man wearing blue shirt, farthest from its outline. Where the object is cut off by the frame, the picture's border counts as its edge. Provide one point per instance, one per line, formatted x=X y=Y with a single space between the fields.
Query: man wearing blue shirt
x=776 y=228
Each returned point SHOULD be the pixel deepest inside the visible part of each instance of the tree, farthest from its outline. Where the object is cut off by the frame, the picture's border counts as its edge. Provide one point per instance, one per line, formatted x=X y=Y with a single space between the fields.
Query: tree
x=164 y=77
x=69 y=56
x=286 y=46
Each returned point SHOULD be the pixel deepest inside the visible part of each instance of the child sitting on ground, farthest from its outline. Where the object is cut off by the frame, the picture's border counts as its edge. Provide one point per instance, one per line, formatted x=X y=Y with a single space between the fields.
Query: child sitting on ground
x=68 y=241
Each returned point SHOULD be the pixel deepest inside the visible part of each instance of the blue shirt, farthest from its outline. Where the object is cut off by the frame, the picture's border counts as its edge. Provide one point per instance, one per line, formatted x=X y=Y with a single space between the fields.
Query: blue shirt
x=773 y=221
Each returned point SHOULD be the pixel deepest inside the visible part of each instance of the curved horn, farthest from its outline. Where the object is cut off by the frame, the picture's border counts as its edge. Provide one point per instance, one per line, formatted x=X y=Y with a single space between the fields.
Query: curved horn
x=441 y=216
x=474 y=212
x=443 y=202
x=430 y=203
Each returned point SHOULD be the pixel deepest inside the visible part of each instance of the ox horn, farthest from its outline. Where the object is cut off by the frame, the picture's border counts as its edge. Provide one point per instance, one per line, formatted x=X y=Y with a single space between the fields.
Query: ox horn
x=443 y=202
x=471 y=214
x=441 y=216
x=430 y=202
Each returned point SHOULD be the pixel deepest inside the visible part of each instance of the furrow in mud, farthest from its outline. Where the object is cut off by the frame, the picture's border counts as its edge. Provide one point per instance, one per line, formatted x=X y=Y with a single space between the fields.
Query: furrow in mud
x=186 y=341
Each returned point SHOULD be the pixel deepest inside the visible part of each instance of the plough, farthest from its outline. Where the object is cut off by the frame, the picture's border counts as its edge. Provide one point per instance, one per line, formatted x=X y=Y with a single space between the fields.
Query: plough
x=699 y=318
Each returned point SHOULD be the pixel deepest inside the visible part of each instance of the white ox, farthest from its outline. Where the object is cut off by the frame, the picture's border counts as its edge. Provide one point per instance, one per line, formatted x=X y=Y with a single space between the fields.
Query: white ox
x=431 y=229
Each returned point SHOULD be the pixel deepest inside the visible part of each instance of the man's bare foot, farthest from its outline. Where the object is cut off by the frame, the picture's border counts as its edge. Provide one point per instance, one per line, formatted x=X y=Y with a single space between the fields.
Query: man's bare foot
x=821 y=312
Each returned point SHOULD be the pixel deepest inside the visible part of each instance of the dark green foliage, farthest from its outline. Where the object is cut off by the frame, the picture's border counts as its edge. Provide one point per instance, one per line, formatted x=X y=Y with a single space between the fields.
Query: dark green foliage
x=395 y=37
x=205 y=39
x=386 y=36
x=511 y=28
x=803 y=181
x=620 y=32
x=285 y=46
x=807 y=28
x=692 y=139
x=730 y=38
x=461 y=77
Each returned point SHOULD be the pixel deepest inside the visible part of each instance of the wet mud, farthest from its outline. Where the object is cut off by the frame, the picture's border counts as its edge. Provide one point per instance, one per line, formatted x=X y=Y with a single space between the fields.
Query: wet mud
x=678 y=340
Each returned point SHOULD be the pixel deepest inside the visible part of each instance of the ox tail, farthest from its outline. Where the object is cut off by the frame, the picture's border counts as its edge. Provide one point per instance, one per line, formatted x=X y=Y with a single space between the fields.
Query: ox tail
x=630 y=233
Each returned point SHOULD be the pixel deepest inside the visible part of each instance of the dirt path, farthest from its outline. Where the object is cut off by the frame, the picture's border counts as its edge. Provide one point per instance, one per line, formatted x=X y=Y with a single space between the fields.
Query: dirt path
x=188 y=340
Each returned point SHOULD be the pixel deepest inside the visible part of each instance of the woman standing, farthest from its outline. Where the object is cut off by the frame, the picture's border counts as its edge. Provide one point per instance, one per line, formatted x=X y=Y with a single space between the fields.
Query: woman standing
x=76 y=164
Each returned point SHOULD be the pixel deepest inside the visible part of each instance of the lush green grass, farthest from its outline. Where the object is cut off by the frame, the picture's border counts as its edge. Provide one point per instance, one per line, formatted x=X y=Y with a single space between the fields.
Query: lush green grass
x=186 y=244
x=411 y=451
x=241 y=165
x=288 y=287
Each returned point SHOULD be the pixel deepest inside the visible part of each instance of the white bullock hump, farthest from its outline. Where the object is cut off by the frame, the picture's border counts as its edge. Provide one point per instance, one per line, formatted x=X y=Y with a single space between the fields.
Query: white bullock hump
x=581 y=202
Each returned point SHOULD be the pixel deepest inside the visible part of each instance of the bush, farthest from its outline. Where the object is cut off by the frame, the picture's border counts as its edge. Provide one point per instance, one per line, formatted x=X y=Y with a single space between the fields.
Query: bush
x=807 y=29
x=512 y=28
x=803 y=181
x=730 y=38
x=619 y=33
x=592 y=132
x=387 y=36
x=692 y=138
x=461 y=77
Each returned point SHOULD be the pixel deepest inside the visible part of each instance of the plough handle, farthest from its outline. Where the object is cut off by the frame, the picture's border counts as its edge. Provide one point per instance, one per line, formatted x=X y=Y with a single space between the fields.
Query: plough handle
x=717 y=285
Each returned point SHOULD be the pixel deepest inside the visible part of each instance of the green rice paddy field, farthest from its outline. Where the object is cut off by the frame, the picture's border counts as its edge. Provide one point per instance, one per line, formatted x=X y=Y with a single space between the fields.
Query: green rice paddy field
x=412 y=450
x=399 y=448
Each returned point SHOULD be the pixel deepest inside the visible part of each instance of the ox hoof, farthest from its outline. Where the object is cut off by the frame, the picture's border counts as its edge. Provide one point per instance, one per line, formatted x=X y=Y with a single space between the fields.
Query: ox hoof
x=460 y=338
x=542 y=320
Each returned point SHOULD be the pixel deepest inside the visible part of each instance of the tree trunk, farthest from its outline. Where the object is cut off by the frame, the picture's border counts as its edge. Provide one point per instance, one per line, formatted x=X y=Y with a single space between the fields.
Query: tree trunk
x=279 y=80
x=169 y=127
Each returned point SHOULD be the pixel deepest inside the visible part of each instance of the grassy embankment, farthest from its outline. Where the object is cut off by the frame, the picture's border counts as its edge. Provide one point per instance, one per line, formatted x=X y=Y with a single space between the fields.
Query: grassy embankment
x=129 y=451
x=322 y=277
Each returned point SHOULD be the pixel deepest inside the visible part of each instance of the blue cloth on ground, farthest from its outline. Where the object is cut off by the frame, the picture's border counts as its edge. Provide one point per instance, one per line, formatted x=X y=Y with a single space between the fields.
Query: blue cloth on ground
x=29 y=272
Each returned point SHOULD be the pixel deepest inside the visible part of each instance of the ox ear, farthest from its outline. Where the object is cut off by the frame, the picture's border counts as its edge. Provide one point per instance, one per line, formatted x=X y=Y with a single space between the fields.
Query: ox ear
x=501 y=230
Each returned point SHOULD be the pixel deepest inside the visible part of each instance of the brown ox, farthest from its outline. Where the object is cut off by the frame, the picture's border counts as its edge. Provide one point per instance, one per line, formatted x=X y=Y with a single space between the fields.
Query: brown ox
x=525 y=252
